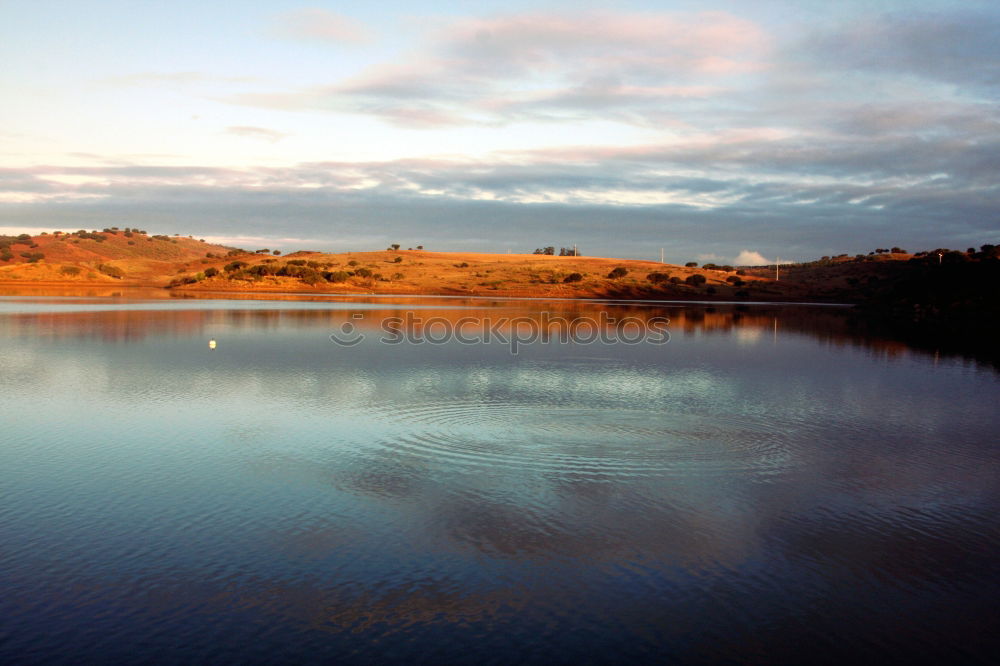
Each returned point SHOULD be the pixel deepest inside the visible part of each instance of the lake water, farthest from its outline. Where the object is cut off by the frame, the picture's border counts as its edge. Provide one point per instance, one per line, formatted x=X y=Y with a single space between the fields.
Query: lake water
x=768 y=486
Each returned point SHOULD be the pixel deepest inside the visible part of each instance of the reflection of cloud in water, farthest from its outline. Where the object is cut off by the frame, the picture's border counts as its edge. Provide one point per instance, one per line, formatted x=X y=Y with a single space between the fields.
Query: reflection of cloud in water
x=748 y=336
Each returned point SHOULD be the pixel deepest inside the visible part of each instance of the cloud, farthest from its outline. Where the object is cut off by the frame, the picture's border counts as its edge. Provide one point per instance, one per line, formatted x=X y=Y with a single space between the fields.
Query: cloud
x=958 y=47
x=750 y=258
x=320 y=25
x=545 y=66
x=251 y=132
x=621 y=205
x=174 y=79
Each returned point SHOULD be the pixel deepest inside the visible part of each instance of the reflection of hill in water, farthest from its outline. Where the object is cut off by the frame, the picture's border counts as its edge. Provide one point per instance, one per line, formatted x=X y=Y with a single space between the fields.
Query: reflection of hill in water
x=747 y=324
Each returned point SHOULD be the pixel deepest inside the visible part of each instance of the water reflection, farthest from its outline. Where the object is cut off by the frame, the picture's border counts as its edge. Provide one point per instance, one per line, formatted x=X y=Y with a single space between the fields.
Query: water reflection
x=106 y=315
x=767 y=487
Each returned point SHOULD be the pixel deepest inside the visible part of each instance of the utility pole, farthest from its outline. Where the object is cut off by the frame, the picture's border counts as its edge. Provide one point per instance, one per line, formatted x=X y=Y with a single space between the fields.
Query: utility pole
x=777 y=261
x=575 y=253
x=661 y=255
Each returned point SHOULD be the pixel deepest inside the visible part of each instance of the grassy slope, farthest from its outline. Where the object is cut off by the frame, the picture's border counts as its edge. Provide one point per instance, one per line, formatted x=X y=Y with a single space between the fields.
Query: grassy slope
x=453 y=273
x=141 y=258
x=887 y=280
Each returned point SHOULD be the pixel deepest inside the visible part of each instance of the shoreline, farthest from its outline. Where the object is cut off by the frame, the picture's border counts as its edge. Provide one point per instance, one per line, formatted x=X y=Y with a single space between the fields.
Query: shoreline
x=518 y=294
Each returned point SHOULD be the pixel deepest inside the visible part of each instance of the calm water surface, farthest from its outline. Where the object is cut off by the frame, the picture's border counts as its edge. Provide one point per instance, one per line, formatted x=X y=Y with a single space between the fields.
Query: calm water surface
x=766 y=487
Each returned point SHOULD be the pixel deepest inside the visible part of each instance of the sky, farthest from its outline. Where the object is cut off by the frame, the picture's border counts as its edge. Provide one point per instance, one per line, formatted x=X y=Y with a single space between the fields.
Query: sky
x=713 y=130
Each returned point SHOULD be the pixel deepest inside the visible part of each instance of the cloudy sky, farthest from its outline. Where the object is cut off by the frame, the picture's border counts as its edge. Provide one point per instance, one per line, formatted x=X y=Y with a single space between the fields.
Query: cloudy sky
x=791 y=129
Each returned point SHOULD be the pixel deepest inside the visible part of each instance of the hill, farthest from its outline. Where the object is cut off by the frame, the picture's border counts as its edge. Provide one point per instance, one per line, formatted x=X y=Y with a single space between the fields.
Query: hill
x=937 y=286
x=467 y=274
x=129 y=256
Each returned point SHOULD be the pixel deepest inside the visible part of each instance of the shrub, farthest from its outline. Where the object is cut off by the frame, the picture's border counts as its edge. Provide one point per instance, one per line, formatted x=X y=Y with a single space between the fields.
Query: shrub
x=691 y=264
x=211 y=272
x=735 y=281
x=696 y=280
x=261 y=270
x=276 y=253
x=311 y=276
x=573 y=277
x=398 y=260
x=618 y=272
x=658 y=278
x=363 y=272
x=352 y=263
x=33 y=257
x=462 y=265
x=70 y=270
x=235 y=266
x=398 y=276
x=336 y=276
x=187 y=279
x=675 y=280
x=111 y=271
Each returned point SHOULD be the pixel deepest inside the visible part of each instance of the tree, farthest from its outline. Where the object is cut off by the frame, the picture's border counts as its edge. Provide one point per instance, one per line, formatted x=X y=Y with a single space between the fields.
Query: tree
x=573 y=277
x=277 y=252
x=691 y=264
x=618 y=272
x=658 y=278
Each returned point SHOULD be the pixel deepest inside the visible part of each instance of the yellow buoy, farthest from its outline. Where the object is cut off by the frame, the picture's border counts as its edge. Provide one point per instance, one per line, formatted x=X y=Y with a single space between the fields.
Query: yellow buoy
x=211 y=344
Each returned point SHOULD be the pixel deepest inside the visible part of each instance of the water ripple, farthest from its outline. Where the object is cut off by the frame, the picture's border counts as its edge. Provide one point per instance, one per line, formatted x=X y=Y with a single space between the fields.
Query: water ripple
x=586 y=440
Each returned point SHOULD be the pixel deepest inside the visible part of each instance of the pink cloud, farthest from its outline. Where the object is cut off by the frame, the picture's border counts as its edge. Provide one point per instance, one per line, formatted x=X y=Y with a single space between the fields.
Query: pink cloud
x=541 y=66
x=322 y=25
